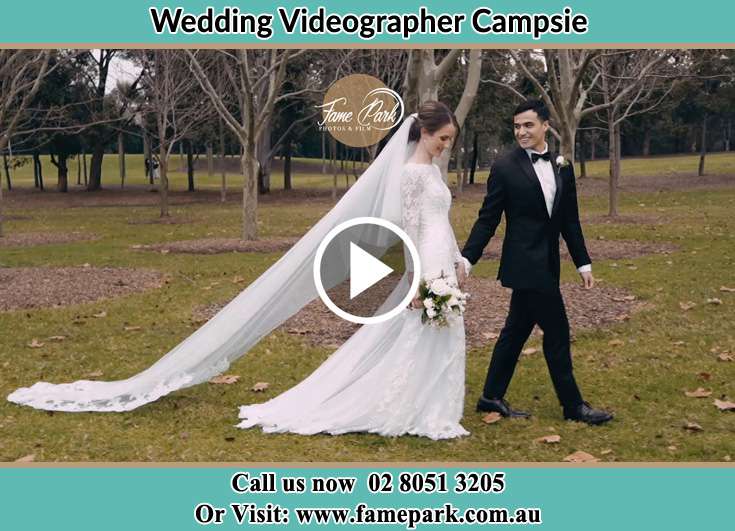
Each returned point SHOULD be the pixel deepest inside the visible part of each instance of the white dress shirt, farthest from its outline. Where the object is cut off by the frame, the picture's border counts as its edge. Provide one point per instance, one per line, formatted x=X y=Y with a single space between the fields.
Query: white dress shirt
x=545 y=173
x=547 y=180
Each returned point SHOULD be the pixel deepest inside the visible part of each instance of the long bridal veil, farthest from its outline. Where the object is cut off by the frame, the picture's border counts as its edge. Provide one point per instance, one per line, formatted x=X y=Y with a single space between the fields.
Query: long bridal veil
x=281 y=291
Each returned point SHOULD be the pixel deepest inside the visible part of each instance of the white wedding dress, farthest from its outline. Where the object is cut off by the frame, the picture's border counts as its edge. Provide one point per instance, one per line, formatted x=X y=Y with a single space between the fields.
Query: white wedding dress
x=396 y=377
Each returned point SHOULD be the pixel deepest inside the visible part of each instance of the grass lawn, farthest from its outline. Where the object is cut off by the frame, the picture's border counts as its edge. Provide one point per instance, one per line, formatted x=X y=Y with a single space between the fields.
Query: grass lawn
x=664 y=350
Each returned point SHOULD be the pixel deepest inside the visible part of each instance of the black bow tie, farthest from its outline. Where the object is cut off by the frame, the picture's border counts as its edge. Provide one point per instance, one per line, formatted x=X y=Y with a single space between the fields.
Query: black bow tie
x=535 y=156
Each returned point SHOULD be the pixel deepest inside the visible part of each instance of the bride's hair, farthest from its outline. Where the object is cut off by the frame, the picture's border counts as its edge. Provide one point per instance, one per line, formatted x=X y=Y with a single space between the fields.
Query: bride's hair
x=432 y=116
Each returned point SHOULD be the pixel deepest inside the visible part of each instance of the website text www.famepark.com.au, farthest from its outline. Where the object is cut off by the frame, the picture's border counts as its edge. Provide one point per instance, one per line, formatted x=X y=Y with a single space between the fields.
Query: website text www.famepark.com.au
x=447 y=514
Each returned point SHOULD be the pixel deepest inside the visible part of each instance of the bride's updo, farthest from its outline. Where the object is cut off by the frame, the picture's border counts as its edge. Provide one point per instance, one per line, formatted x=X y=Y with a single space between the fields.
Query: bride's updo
x=432 y=116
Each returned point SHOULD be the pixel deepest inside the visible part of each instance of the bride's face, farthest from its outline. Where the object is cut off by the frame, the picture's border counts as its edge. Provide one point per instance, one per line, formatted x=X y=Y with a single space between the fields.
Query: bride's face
x=438 y=141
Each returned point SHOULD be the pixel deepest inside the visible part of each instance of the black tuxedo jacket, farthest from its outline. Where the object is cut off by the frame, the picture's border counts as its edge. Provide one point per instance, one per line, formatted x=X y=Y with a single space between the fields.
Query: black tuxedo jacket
x=530 y=258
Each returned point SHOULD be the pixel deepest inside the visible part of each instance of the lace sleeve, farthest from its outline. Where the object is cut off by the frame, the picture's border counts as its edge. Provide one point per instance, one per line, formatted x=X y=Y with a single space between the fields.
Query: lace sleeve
x=412 y=187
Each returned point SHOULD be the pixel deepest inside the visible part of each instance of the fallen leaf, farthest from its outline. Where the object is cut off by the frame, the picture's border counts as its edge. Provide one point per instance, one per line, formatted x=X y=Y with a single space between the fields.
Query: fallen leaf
x=165 y=251
x=679 y=343
x=581 y=457
x=704 y=376
x=716 y=302
x=699 y=392
x=626 y=298
x=606 y=451
x=229 y=439
x=131 y=328
x=672 y=447
x=26 y=459
x=529 y=351
x=687 y=305
x=549 y=439
x=727 y=458
x=725 y=289
x=56 y=338
x=35 y=343
x=259 y=387
x=724 y=356
x=724 y=405
x=226 y=379
x=490 y=335
x=238 y=280
x=492 y=417
x=616 y=343
x=87 y=264
x=100 y=315
x=95 y=374
x=693 y=426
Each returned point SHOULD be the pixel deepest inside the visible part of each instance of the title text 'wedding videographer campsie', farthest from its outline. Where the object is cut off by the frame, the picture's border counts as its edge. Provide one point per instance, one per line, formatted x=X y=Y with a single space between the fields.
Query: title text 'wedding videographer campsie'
x=366 y=26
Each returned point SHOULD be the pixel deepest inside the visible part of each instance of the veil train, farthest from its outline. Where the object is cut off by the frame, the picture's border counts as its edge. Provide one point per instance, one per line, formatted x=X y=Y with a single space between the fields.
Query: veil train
x=281 y=291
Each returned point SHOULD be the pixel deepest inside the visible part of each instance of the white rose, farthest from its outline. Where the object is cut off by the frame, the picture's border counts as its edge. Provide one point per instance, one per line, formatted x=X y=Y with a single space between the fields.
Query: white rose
x=440 y=287
x=431 y=313
x=560 y=160
x=428 y=303
x=453 y=301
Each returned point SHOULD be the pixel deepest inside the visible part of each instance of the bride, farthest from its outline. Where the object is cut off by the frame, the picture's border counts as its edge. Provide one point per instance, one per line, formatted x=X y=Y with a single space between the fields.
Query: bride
x=392 y=378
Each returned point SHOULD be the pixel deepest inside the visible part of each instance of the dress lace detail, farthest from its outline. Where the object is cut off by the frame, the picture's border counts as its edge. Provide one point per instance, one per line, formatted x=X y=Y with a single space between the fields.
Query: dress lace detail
x=394 y=378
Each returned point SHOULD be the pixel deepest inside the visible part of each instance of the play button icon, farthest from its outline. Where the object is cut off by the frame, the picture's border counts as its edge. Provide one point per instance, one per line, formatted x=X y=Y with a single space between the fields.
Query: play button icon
x=366 y=270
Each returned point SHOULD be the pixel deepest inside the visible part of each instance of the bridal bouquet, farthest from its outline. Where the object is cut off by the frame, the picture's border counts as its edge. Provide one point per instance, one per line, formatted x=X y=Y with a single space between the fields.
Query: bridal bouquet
x=443 y=301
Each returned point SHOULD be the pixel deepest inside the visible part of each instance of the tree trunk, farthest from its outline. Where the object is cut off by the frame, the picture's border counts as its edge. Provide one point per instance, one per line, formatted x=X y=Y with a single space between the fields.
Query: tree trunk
x=121 y=157
x=475 y=154
x=728 y=135
x=582 y=158
x=223 y=162
x=163 y=177
x=35 y=169
x=702 y=146
x=287 y=164
x=613 y=153
x=647 y=143
x=566 y=143
x=249 y=166
x=84 y=168
x=6 y=165
x=264 y=160
x=181 y=154
x=63 y=173
x=593 y=147
x=38 y=169
x=79 y=169
x=210 y=160
x=190 y=164
x=147 y=168
x=95 y=169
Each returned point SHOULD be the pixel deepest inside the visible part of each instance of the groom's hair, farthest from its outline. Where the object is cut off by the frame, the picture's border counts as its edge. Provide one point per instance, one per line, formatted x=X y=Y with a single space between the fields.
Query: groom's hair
x=533 y=104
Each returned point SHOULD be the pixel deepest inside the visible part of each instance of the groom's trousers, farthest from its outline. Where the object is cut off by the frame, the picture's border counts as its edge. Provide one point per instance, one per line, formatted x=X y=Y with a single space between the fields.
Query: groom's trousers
x=528 y=308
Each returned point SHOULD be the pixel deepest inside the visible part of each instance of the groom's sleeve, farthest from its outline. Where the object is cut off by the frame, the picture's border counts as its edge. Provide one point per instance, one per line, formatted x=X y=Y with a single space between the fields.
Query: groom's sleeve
x=488 y=218
x=571 y=228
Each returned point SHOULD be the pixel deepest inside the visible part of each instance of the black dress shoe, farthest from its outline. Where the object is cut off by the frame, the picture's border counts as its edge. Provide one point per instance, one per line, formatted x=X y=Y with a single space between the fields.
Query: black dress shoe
x=586 y=413
x=500 y=405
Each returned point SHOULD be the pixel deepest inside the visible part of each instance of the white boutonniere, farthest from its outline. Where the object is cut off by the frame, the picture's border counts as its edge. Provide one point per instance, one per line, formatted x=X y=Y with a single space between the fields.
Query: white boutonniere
x=562 y=162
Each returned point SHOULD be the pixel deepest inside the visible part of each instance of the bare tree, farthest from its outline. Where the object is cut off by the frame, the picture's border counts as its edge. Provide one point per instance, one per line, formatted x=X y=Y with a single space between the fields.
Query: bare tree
x=424 y=76
x=618 y=70
x=255 y=77
x=564 y=83
x=174 y=98
x=21 y=74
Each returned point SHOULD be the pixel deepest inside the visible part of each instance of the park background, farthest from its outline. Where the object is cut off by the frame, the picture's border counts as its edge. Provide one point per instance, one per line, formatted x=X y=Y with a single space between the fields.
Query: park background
x=103 y=269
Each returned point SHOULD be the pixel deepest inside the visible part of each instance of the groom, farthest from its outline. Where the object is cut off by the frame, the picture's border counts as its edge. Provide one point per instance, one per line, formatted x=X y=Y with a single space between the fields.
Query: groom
x=537 y=193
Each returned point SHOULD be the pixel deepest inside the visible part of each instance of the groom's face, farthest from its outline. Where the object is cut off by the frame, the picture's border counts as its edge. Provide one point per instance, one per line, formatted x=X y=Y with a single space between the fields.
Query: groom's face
x=530 y=130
